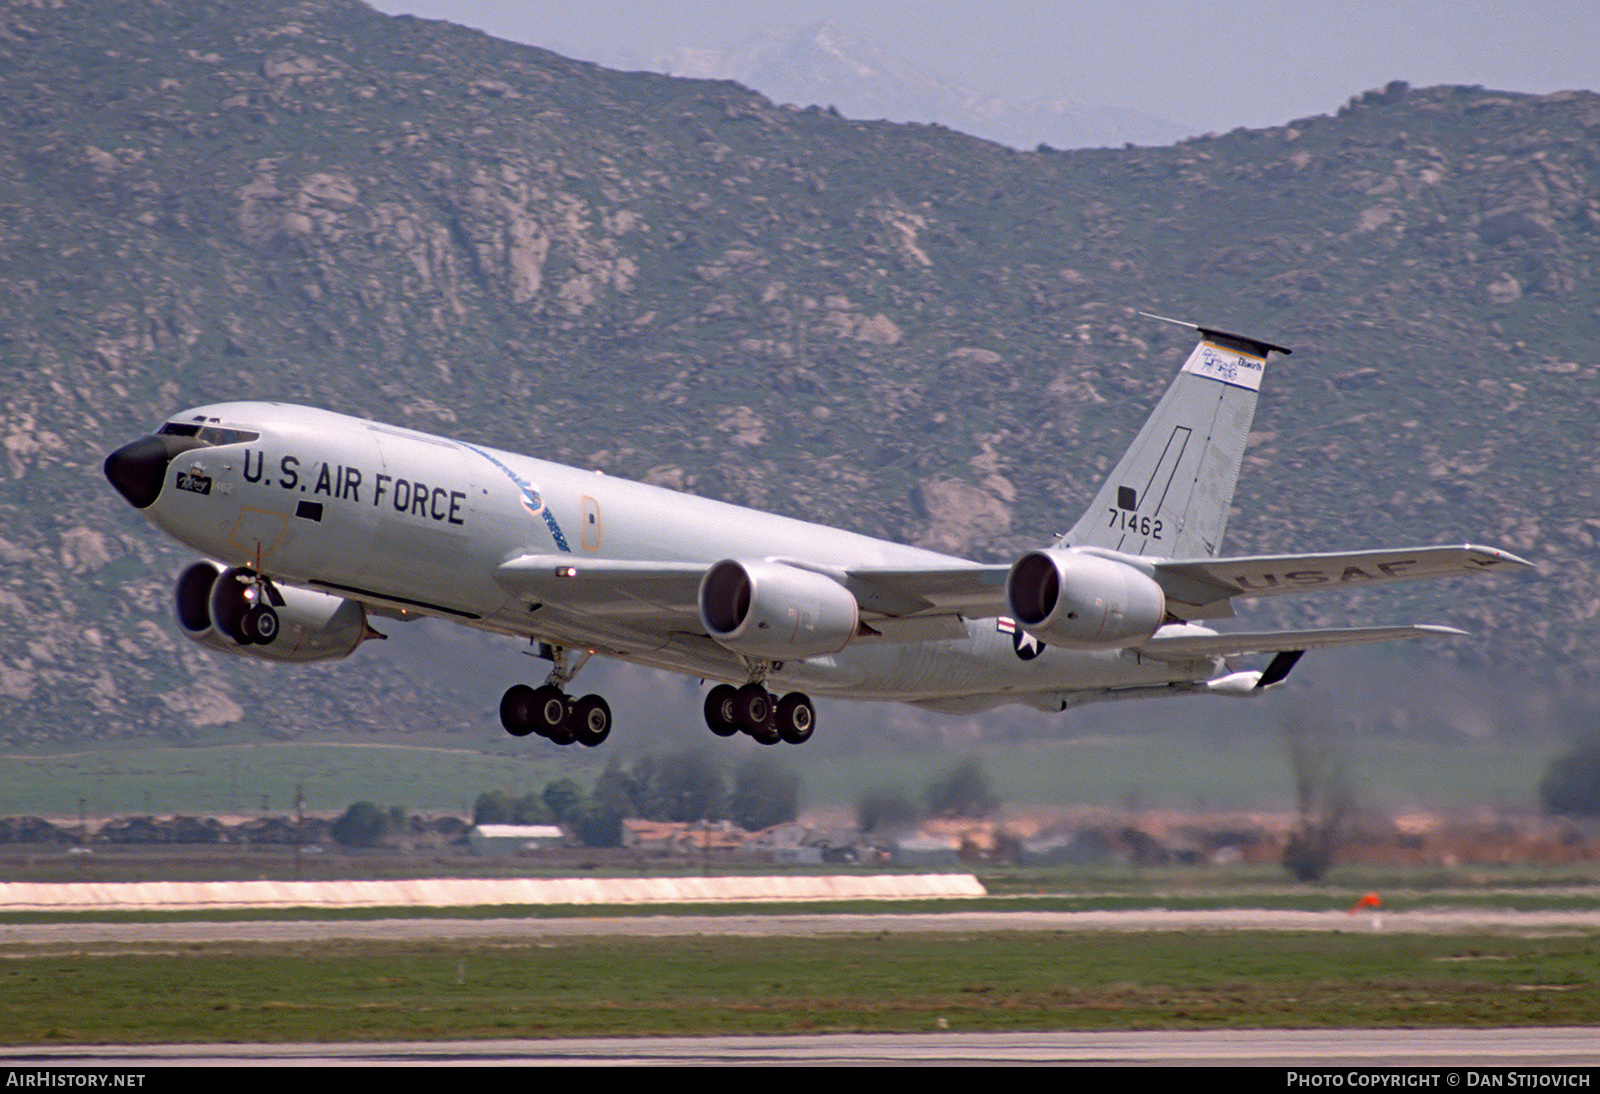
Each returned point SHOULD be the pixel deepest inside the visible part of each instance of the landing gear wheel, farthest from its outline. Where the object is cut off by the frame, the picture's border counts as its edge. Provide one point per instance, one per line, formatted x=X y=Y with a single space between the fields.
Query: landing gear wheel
x=752 y=709
x=550 y=707
x=516 y=710
x=720 y=710
x=795 y=718
x=228 y=612
x=260 y=624
x=590 y=720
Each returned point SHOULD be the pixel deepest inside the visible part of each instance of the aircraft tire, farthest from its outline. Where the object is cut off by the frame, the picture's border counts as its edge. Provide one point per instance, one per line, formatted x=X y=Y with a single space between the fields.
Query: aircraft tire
x=752 y=709
x=590 y=720
x=516 y=710
x=796 y=718
x=232 y=625
x=260 y=624
x=549 y=709
x=720 y=710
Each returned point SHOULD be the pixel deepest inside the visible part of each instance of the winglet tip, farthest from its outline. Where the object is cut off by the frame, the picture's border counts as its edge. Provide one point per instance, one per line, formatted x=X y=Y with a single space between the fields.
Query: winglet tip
x=1495 y=556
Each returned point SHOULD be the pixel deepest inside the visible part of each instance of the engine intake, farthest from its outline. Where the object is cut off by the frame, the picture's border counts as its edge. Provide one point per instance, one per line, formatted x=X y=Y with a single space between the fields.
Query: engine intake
x=211 y=601
x=1083 y=601
x=776 y=611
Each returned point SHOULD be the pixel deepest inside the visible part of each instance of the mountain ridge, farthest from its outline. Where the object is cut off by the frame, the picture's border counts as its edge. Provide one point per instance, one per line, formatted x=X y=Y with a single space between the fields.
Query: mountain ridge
x=898 y=329
x=831 y=64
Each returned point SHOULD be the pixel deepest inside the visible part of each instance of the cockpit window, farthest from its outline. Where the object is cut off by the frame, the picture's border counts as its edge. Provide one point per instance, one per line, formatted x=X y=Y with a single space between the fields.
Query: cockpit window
x=210 y=434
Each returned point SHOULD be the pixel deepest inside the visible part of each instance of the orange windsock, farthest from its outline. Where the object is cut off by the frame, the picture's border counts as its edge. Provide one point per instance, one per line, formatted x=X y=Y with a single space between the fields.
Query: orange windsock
x=1371 y=900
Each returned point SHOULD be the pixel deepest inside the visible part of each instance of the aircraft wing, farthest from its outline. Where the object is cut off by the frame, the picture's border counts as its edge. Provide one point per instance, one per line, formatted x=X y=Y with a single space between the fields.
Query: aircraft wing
x=970 y=590
x=1183 y=646
x=903 y=604
x=1202 y=587
x=665 y=595
x=661 y=595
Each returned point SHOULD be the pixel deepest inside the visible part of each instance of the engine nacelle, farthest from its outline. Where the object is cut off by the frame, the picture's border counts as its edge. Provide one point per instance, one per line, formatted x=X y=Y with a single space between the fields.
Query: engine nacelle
x=211 y=602
x=1083 y=601
x=774 y=611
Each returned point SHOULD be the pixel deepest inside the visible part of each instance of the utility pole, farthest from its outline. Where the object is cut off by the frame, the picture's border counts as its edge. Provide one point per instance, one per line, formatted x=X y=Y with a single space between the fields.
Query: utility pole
x=299 y=824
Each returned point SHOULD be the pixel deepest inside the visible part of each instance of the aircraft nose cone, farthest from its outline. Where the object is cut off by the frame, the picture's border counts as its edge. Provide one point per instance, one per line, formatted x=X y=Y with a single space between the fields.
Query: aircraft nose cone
x=137 y=470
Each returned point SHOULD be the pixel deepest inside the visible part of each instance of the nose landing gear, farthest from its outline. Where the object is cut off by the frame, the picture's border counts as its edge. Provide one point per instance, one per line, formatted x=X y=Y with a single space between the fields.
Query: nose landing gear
x=243 y=603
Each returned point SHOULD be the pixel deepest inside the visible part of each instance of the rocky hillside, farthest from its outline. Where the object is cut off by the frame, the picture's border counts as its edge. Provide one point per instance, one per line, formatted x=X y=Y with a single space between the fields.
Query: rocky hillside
x=897 y=329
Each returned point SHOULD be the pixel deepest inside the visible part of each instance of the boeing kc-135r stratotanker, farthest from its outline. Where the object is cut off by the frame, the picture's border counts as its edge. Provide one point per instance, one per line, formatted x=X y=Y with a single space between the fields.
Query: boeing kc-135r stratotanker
x=313 y=522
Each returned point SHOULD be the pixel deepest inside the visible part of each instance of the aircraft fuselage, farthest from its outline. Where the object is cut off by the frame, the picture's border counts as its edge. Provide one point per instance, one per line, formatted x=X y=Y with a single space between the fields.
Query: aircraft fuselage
x=398 y=518
x=312 y=520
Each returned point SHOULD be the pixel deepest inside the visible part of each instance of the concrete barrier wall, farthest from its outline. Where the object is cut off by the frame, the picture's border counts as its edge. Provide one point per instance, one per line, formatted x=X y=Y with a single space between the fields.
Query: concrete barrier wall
x=467 y=892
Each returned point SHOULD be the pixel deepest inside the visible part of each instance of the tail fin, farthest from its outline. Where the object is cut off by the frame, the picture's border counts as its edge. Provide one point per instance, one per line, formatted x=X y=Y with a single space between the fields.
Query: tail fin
x=1169 y=495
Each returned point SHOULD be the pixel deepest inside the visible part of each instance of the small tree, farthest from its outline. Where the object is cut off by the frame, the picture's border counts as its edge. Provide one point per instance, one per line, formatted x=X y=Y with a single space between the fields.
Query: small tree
x=561 y=797
x=531 y=809
x=964 y=791
x=362 y=825
x=596 y=824
x=614 y=790
x=494 y=807
x=679 y=786
x=1571 y=784
x=643 y=787
x=884 y=809
x=1323 y=795
x=765 y=792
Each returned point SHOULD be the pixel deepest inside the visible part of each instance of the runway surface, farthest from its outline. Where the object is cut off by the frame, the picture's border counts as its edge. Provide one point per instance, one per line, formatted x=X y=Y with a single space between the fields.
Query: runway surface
x=1446 y=1049
x=664 y=926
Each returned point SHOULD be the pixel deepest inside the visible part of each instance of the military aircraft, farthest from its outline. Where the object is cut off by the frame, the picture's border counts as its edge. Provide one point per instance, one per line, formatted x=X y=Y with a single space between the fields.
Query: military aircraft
x=313 y=522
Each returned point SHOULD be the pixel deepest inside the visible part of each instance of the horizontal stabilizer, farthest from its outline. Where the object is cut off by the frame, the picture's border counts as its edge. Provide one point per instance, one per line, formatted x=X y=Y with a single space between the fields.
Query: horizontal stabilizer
x=1226 y=645
x=1243 y=343
x=1200 y=588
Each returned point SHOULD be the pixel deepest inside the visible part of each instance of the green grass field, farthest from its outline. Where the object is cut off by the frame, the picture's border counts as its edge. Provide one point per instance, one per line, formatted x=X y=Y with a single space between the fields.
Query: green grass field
x=1146 y=769
x=618 y=986
x=615 y=986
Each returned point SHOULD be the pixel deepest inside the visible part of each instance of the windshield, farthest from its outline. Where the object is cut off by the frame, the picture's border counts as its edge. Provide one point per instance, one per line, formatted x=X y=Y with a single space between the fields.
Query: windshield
x=210 y=434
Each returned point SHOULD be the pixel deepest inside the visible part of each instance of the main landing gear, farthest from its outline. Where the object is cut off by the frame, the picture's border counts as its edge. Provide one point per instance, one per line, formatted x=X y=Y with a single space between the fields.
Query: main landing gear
x=551 y=712
x=754 y=710
x=556 y=716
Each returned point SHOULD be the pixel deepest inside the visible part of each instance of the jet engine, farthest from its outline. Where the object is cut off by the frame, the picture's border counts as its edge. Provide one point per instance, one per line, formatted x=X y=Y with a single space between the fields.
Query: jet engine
x=775 y=611
x=1083 y=601
x=227 y=610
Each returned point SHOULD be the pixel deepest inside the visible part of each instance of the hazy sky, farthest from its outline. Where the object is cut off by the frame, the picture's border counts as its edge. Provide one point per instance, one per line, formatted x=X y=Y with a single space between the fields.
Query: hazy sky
x=1211 y=66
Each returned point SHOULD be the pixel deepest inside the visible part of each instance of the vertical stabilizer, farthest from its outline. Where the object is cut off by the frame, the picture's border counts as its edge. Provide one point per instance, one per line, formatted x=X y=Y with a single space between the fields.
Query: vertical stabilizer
x=1169 y=494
